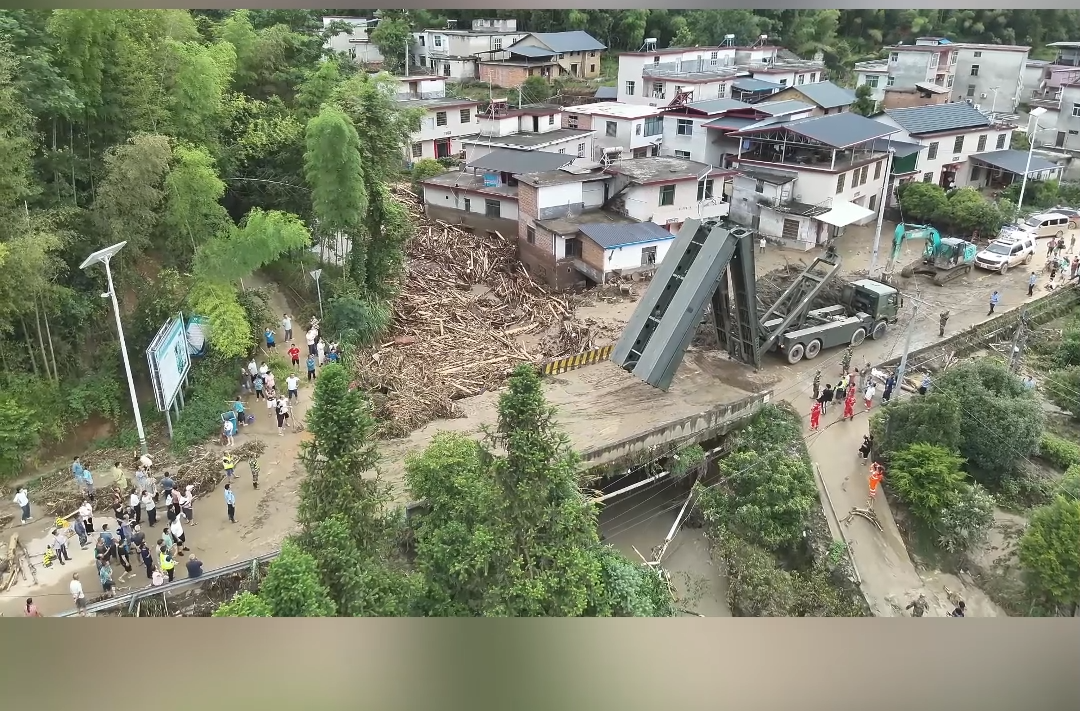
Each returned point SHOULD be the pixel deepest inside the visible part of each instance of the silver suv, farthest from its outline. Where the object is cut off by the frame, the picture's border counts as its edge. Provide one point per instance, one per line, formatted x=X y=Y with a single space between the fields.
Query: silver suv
x=1012 y=250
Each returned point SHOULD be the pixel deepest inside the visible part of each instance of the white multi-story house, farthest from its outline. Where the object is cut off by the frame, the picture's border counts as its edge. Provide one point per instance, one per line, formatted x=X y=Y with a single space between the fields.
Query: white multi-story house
x=787 y=72
x=1043 y=81
x=453 y=53
x=639 y=71
x=356 y=42
x=1065 y=122
x=950 y=134
x=803 y=181
x=533 y=127
x=990 y=75
x=626 y=130
x=667 y=191
x=874 y=74
x=930 y=60
x=702 y=131
x=446 y=120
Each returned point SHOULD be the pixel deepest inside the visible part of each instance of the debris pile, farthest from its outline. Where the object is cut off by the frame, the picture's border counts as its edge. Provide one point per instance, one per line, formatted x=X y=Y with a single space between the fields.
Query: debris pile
x=771 y=285
x=467 y=315
x=57 y=494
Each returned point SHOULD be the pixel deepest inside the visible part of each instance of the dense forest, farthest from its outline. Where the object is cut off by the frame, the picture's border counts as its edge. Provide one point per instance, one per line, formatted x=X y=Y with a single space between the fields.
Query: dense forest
x=217 y=143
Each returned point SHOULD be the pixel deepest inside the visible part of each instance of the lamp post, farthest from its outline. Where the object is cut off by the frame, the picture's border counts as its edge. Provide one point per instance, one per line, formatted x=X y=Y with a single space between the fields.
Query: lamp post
x=1033 y=128
x=885 y=194
x=103 y=257
x=315 y=274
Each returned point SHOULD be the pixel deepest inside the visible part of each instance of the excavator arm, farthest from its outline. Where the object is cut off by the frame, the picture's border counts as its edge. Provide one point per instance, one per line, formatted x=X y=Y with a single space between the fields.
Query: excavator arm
x=904 y=232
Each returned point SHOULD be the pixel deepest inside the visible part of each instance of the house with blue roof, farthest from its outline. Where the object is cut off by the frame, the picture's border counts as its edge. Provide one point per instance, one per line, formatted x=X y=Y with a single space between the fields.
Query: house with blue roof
x=551 y=55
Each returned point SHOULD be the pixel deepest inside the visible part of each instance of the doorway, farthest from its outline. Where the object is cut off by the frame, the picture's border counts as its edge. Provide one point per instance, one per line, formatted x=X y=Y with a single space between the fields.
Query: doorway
x=1060 y=141
x=442 y=148
x=574 y=69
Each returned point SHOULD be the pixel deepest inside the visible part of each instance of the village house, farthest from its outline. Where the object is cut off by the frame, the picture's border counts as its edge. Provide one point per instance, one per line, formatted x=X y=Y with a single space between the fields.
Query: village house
x=454 y=53
x=990 y=75
x=702 y=131
x=1068 y=53
x=356 y=43
x=922 y=94
x=931 y=60
x=787 y=72
x=551 y=55
x=667 y=191
x=752 y=91
x=950 y=135
x=1043 y=81
x=532 y=127
x=874 y=74
x=619 y=129
x=824 y=96
x=446 y=120
x=803 y=181
x=1064 y=120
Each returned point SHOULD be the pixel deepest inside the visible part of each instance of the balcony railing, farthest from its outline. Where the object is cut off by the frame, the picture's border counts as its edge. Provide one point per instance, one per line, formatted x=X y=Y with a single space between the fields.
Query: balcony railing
x=420 y=95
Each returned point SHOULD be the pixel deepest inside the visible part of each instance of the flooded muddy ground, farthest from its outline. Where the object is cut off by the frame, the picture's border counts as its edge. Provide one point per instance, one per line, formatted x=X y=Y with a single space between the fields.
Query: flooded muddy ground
x=642 y=519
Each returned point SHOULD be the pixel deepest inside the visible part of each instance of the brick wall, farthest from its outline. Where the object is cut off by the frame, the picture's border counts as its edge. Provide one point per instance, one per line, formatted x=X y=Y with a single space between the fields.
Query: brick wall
x=592 y=254
x=902 y=99
x=538 y=257
x=503 y=75
x=584 y=121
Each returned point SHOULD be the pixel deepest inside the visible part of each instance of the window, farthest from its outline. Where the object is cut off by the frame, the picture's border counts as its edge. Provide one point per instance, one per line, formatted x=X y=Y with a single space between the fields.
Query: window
x=802 y=79
x=721 y=91
x=840 y=183
x=759 y=186
x=551 y=119
x=530 y=235
x=958 y=145
x=421 y=40
x=705 y=190
x=685 y=155
x=667 y=195
x=592 y=69
x=418 y=150
x=658 y=90
x=648 y=254
x=446 y=69
x=894 y=57
x=438 y=40
x=931 y=151
x=637 y=129
x=872 y=81
x=813 y=78
x=783 y=82
x=714 y=55
x=1076 y=110
x=572 y=248
x=571 y=120
x=978 y=54
x=863 y=174
x=654 y=125
x=982 y=144
x=890 y=81
x=581 y=150
x=877 y=169
x=974 y=70
x=933 y=61
x=592 y=54
x=468 y=205
x=440 y=118
x=928 y=177
x=1001 y=140
x=492 y=208
x=684 y=127
x=630 y=88
x=949 y=81
x=498 y=44
x=970 y=90
x=656 y=59
x=611 y=128
x=466 y=115
x=873 y=203
x=562 y=150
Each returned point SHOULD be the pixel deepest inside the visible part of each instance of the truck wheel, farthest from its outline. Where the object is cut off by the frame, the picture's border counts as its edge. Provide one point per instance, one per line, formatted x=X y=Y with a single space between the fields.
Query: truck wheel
x=879 y=330
x=1027 y=259
x=813 y=349
x=858 y=337
x=795 y=353
x=1004 y=268
x=1060 y=233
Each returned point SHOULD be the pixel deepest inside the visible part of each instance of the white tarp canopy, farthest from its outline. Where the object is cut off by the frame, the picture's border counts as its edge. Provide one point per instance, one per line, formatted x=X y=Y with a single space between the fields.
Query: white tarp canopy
x=845 y=213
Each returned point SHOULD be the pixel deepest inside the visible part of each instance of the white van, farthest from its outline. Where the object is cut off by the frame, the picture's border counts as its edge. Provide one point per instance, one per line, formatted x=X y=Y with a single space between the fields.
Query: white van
x=1008 y=251
x=1046 y=224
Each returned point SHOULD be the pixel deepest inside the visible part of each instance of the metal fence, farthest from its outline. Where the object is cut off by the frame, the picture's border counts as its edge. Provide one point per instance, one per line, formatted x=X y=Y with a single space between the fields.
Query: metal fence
x=561 y=365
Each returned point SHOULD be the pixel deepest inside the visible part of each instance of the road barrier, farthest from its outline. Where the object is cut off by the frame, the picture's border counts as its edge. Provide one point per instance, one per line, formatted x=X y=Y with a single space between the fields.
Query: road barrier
x=562 y=365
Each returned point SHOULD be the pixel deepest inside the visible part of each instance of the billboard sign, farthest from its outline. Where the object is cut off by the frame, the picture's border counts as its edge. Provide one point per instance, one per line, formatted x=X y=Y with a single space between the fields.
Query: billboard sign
x=169 y=358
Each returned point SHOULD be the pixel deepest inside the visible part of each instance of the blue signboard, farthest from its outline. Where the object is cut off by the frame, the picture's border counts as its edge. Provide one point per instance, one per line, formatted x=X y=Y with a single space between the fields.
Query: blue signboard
x=491 y=180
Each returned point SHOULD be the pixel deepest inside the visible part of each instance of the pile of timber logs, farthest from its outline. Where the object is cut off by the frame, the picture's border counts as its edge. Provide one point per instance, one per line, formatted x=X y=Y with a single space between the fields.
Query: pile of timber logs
x=467 y=315
x=15 y=563
x=771 y=285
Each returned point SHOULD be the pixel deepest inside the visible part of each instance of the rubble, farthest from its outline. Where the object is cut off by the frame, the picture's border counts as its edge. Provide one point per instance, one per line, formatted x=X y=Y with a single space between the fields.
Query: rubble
x=467 y=315
x=772 y=284
x=56 y=494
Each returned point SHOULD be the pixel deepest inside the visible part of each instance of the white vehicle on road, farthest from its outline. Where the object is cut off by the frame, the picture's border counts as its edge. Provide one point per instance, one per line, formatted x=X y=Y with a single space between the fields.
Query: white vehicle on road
x=1010 y=250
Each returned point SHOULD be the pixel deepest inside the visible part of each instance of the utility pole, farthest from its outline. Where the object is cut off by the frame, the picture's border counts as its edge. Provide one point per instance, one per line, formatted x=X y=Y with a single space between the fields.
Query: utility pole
x=907 y=348
x=884 y=199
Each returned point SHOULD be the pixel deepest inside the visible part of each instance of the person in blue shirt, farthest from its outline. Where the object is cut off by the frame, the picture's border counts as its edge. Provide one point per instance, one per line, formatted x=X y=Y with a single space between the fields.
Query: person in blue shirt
x=994 y=299
x=258 y=384
x=332 y=356
x=77 y=470
x=310 y=368
x=269 y=333
x=230 y=503
x=87 y=481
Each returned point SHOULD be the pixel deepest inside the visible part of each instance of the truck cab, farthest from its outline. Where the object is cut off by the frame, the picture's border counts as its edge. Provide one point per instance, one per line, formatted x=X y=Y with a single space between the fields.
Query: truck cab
x=880 y=302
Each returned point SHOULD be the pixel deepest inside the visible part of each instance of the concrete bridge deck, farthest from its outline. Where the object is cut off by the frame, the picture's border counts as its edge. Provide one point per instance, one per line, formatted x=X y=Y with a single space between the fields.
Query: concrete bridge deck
x=608 y=413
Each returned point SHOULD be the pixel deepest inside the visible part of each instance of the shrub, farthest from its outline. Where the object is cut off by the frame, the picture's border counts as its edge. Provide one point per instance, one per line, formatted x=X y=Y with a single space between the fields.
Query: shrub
x=756 y=586
x=926 y=478
x=357 y=322
x=1070 y=483
x=1062 y=388
x=426 y=168
x=965 y=520
x=1050 y=553
x=1058 y=452
x=213 y=386
x=686 y=460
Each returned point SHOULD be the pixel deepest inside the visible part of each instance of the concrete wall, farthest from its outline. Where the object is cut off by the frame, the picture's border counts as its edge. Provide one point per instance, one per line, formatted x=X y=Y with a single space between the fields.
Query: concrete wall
x=1067 y=126
x=472 y=220
x=630 y=256
x=1003 y=69
x=877 y=92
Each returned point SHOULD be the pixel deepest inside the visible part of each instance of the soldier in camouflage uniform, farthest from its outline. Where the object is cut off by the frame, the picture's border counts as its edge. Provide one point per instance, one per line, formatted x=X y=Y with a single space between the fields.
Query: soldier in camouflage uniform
x=918 y=606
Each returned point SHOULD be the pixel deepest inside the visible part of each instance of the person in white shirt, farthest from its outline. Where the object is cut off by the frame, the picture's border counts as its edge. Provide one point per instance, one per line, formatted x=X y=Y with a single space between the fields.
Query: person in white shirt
x=271 y=381
x=271 y=405
x=23 y=502
x=77 y=594
x=87 y=513
x=134 y=501
x=177 y=531
x=282 y=415
x=321 y=350
x=187 y=504
x=252 y=370
x=293 y=384
x=761 y=245
x=227 y=430
x=264 y=369
x=311 y=342
x=286 y=326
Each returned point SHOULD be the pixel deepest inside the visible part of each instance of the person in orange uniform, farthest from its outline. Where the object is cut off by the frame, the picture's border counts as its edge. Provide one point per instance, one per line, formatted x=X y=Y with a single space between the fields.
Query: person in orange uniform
x=877 y=473
x=815 y=416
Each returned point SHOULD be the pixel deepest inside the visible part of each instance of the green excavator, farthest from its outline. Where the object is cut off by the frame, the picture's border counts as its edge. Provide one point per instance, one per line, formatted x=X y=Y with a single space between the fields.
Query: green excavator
x=944 y=258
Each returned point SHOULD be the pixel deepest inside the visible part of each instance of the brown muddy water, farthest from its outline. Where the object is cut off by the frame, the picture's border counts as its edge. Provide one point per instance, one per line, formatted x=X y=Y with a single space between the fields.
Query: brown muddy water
x=642 y=519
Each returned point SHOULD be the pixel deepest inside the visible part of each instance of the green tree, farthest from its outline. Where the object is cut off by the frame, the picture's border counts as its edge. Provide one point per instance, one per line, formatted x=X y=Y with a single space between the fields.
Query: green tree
x=131 y=195
x=244 y=604
x=16 y=137
x=318 y=89
x=392 y=36
x=1062 y=388
x=922 y=201
x=193 y=193
x=200 y=76
x=968 y=211
x=292 y=587
x=230 y=333
x=1050 y=553
x=926 y=478
x=535 y=90
x=262 y=239
x=933 y=419
x=864 y=102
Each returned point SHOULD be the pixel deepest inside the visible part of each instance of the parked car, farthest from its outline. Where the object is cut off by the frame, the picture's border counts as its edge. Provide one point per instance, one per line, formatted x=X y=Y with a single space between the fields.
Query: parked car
x=1045 y=224
x=1010 y=250
x=1072 y=213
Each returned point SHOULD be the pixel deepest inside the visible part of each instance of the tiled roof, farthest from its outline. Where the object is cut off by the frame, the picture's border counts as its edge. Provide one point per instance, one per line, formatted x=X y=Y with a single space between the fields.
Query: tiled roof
x=611 y=236
x=938 y=118
x=826 y=94
x=573 y=41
